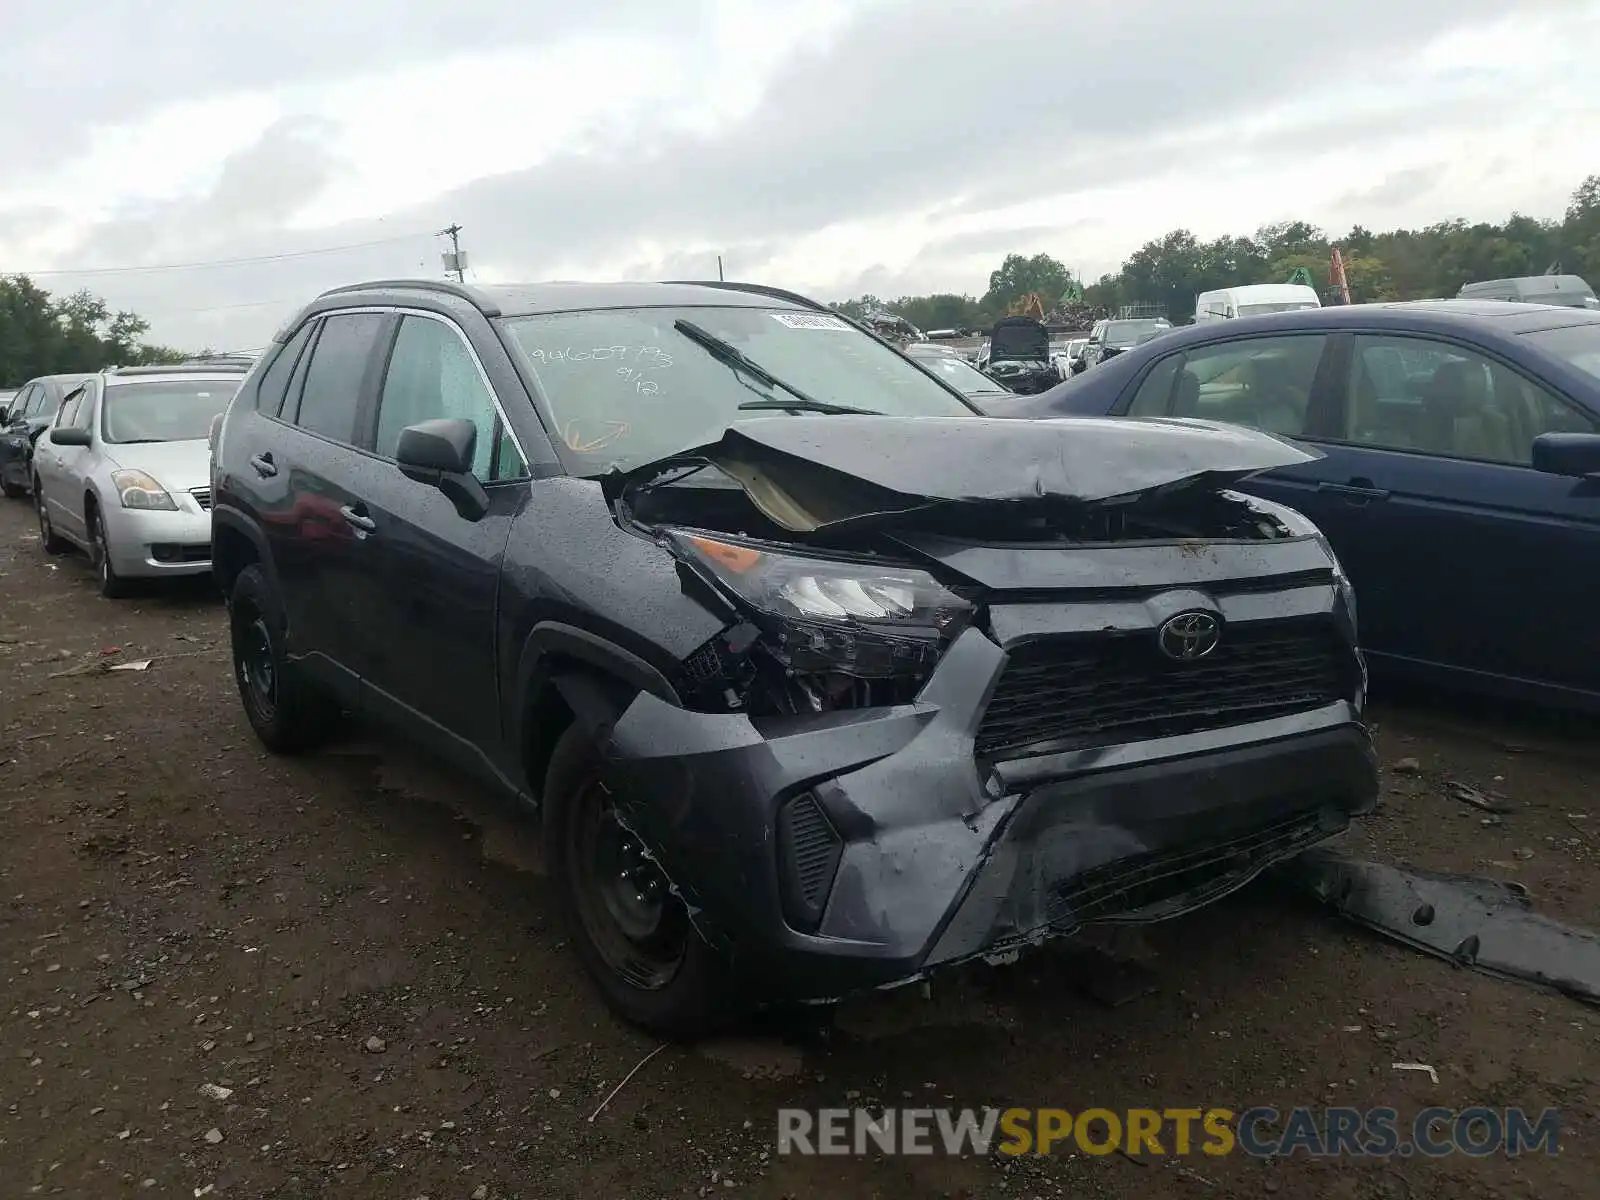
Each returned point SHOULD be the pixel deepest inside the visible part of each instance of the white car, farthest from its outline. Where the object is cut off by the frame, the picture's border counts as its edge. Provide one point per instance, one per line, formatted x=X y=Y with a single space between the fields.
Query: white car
x=124 y=470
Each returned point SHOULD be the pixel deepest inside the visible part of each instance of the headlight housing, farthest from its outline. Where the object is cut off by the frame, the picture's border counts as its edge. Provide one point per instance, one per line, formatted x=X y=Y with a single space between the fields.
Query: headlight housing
x=1301 y=526
x=870 y=619
x=136 y=489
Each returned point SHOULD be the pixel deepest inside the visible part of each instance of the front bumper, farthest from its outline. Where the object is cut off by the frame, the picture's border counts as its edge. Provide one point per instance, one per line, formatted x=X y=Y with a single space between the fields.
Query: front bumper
x=145 y=543
x=917 y=854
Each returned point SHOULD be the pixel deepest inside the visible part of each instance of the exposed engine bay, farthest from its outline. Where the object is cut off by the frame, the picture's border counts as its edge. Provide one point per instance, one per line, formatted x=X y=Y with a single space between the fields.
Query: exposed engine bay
x=835 y=602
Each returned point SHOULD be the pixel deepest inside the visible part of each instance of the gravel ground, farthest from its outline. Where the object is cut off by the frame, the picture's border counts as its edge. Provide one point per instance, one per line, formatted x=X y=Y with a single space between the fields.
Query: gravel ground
x=359 y=950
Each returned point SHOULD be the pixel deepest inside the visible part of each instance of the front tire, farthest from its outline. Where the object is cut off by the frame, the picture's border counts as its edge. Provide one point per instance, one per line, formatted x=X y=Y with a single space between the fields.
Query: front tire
x=112 y=586
x=633 y=935
x=287 y=711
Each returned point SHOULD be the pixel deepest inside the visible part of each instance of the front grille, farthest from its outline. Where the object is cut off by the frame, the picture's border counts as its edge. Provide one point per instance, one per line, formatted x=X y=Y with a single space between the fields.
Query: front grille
x=1185 y=872
x=202 y=496
x=1070 y=692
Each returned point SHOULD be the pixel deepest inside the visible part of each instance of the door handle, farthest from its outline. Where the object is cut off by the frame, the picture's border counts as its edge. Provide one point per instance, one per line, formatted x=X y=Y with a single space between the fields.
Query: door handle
x=359 y=519
x=264 y=466
x=1357 y=491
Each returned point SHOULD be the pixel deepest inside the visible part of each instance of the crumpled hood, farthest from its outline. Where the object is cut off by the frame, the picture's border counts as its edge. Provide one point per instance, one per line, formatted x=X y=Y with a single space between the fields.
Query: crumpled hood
x=808 y=472
x=1019 y=339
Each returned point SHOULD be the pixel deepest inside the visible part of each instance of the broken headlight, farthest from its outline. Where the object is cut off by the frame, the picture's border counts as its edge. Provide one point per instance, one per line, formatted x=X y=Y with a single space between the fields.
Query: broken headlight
x=866 y=619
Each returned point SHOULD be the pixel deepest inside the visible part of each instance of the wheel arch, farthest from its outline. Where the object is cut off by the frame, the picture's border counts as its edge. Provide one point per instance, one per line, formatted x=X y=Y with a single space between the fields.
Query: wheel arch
x=568 y=675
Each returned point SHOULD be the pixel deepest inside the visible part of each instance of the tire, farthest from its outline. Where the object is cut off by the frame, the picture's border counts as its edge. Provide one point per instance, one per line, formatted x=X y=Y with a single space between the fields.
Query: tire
x=48 y=538
x=112 y=586
x=12 y=492
x=694 y=998
x=287 y=711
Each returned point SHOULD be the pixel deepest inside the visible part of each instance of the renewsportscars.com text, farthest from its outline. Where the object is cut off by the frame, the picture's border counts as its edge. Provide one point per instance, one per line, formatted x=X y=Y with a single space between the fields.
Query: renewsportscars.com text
x=1331 y=1132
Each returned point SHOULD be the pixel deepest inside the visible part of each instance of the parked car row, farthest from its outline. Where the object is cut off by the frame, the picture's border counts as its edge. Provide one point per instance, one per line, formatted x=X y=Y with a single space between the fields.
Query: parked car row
x=818 y=678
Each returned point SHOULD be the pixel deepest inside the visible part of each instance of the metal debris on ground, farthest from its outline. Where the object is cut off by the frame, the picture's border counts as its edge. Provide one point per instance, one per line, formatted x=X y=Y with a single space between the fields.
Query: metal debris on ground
x=1468 y=794
x=1423 y=1067
x=1484 y=924
x=636 y=1069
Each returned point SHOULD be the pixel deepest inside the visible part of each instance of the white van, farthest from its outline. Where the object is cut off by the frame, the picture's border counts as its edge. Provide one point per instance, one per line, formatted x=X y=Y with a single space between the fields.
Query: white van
x=1253 y=300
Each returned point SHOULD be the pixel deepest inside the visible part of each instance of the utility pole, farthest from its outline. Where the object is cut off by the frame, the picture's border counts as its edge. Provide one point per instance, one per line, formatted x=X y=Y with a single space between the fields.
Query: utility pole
x=719 y=267
x=454 y=260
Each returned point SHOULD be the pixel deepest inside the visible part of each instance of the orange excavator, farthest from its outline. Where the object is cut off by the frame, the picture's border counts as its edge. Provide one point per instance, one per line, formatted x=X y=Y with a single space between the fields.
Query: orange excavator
x=1031 y=305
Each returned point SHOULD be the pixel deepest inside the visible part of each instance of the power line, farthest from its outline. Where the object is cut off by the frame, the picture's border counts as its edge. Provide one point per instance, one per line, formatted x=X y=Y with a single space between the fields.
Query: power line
x=222 y=262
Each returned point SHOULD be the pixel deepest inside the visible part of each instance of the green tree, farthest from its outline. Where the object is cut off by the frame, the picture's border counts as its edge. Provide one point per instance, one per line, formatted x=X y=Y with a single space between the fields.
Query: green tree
x=1017 y=276
x=42 y=335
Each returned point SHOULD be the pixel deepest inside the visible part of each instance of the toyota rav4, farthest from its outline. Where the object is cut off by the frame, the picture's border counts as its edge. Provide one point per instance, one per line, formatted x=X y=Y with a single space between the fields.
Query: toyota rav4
x=820 y=680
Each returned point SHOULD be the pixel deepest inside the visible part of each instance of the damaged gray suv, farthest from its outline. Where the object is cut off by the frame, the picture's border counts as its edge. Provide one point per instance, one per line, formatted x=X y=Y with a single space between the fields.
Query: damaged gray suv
x=820 y=680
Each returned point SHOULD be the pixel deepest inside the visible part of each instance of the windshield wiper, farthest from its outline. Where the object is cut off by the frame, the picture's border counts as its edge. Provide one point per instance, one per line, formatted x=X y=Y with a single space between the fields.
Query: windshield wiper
x=727 y=352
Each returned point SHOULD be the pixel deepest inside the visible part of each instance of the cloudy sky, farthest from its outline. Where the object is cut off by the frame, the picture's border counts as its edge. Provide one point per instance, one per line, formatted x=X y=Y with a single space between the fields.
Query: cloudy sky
x=833 y=146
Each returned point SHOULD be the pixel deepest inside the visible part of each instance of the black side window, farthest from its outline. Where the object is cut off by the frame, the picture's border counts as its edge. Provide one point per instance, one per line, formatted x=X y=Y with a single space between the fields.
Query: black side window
x=82 y=413
x=37 y=399
x=275 y=379
x=24 y=398
x=339 y=361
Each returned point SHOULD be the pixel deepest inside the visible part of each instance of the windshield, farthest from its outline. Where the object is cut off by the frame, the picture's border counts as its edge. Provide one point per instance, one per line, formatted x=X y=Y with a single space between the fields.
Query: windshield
x=960 y=375
x=1578 y=344
x=1131 y=333
x=178 y=410
x=1256 y=310
x=624 y=387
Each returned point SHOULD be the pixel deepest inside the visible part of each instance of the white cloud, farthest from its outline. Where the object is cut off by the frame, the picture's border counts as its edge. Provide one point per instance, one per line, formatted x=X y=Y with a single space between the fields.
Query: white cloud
x=829 y=146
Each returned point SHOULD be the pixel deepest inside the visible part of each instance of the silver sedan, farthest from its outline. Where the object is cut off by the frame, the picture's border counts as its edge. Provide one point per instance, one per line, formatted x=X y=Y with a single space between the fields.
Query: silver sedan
x=123 y=472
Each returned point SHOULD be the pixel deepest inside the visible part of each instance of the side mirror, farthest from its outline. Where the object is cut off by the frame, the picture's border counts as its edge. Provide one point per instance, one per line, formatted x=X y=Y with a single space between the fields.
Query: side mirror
x=1573 y=454
x=439 y=453
x=69 y=437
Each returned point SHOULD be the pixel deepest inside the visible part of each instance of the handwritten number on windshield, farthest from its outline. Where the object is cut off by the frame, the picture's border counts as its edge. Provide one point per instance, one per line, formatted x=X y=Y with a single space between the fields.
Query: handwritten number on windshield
x=646 y=358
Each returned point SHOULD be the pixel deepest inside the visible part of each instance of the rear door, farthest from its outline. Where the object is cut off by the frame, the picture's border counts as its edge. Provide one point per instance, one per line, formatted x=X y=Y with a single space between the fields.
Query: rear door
x=310 y=486
x=1469 y=558
x=433 y=665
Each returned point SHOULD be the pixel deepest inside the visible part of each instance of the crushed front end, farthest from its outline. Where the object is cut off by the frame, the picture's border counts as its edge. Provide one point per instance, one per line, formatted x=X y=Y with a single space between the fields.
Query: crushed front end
x=946 y=730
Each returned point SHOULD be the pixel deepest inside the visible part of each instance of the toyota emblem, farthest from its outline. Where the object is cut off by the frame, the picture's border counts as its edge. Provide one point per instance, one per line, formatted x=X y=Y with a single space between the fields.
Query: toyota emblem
x=1189 y=635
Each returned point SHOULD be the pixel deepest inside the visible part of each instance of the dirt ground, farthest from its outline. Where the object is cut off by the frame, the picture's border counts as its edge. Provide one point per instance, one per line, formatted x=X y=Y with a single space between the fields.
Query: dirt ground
x=362 y=951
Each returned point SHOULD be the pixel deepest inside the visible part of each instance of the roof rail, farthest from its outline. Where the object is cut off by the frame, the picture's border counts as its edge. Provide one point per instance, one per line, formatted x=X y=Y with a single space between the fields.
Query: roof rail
x=759 y=289
x=190 y=367
x=460 y=290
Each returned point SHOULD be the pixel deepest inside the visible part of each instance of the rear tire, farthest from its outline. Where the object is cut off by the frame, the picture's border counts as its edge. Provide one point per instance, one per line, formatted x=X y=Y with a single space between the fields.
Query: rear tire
x=13 y=491
x=287 y=711
x=651 y=965
x=48 y=538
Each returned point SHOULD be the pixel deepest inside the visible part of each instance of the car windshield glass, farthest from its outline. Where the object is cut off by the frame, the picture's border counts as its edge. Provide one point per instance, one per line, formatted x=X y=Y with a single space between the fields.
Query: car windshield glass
x=1130 y=333
x=171 y=411
x=1578 y=344
x=625 y=387
x=1256 y=310
x=959 y=374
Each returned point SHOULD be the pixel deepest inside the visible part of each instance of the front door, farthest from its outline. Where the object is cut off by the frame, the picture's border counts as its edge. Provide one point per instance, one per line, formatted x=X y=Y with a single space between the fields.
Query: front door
x=60 y=469
x=433 y=663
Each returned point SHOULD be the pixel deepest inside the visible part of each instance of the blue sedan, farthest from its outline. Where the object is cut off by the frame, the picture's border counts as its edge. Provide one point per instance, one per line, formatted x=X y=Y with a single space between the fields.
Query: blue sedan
x=1459 y=480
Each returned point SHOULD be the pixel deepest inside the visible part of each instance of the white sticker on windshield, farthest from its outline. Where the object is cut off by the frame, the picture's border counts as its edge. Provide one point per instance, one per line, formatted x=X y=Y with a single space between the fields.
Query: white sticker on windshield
x=809 y=321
